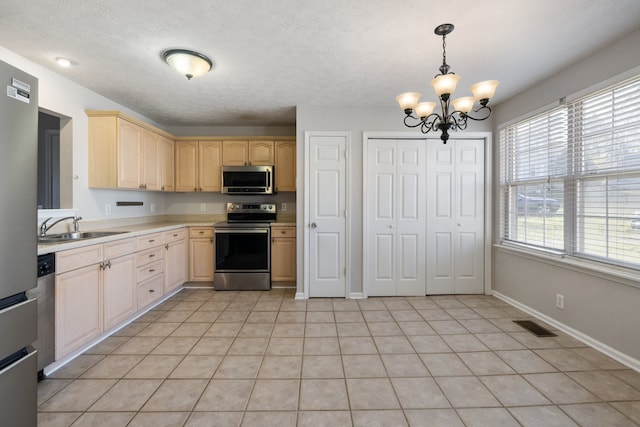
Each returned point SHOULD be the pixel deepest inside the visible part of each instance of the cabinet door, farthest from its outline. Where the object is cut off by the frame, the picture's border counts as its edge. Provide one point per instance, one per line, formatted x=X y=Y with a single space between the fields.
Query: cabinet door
x=209 y=162
x=186 y=172
x=103 y=152
x=175 y=270
x=128 y=154
x=261 y=153
x=78 y=309
x=283 y=259
x=235 y=153
x=150 y=161
x=285 y=163
x=167 y=182
x=119 y=290
x=201 y=259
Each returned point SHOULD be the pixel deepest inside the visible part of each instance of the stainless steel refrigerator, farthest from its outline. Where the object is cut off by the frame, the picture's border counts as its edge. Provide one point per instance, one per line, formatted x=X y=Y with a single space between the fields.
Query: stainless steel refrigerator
x=18 y=246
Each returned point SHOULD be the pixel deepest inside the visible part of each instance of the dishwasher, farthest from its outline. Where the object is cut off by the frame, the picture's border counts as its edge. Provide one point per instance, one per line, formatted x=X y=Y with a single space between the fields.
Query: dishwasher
x=44 y=292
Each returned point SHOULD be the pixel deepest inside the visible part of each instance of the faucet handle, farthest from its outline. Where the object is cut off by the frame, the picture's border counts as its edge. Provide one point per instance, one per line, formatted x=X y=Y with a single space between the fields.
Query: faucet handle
x=75 y=223
x=43 y=226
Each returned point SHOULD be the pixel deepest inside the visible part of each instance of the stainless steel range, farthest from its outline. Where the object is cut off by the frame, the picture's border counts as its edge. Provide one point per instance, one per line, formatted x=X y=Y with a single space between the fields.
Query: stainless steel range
x=243 y=247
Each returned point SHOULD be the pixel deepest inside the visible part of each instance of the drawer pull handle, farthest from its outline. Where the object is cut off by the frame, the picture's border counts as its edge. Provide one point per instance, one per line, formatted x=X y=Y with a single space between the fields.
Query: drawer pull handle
x=152 y=255
x=152 y=290
x=152 y=240
x=152 y=270
x=175 y=235
x=201 y=232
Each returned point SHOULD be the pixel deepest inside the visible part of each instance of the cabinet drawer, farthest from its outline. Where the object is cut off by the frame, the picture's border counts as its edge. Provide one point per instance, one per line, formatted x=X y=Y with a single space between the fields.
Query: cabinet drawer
x=119 y=247
x=283 y=231
x=150 y=290
x=149 y=240
x=149 y=255
x=150 y=270
x=173 y=235
x=76 y=258
x=195 y=232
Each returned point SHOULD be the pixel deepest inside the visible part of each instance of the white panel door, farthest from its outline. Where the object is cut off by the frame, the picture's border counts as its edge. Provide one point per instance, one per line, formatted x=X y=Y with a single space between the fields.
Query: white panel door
x=327 y=224
x=395 y=217
x=455 y=217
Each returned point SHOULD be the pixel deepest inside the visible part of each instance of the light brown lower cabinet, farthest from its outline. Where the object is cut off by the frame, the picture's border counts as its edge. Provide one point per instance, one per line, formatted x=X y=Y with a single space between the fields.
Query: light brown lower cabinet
x=119 y=290
x=95 y=290
x=78 y=308
x=101 y=286
x=201 y=255
x=175 y=259
x=283 y=253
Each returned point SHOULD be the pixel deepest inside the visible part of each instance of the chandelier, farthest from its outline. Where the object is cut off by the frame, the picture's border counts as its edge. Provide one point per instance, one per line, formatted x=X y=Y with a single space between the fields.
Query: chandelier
x=420 y=114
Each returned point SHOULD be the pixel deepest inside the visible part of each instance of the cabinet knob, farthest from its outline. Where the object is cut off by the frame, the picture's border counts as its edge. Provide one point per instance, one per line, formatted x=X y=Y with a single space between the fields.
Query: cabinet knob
x=162 y=188
x=152 y=290
x=151 y=270
x=152 y=240
x=166 y=246
x=152 y=255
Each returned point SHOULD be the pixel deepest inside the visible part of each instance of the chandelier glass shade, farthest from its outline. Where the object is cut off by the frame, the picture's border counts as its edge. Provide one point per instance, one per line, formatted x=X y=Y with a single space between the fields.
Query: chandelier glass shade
x=188 y=62
x=453 y=114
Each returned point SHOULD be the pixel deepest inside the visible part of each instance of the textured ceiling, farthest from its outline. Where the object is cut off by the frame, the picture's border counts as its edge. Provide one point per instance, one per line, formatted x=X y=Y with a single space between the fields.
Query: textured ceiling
x=271 y=55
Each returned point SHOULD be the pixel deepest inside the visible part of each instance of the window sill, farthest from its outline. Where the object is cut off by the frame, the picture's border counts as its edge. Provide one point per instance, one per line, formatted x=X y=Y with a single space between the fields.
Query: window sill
x=625 y=276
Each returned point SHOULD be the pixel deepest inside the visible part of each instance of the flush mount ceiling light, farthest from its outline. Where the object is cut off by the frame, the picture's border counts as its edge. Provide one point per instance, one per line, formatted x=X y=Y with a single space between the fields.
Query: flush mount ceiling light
x=444 y=85
x=188 y=62
x=64 y=62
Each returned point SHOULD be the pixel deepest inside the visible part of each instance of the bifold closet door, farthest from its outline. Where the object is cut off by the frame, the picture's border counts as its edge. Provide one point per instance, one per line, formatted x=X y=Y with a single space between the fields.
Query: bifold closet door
x=455 y=217
x=395 y=217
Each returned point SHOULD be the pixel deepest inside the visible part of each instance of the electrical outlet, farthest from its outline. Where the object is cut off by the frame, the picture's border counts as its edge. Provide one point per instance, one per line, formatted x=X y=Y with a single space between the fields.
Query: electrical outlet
x=560 y=301
x=203 y=207
x=107 y=209
x=153 y=207
x=283 y=207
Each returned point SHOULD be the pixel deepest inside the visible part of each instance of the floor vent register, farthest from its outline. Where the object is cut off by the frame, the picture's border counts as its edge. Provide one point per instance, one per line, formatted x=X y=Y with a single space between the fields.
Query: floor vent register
x=534 y=328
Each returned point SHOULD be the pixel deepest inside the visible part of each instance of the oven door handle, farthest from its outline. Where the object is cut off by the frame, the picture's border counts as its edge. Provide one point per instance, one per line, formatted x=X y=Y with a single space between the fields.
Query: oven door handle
x=241 y=231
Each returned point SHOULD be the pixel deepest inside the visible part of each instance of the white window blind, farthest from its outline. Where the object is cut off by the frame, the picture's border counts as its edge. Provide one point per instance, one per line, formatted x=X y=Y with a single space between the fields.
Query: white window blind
x=533 y=170
x=570 y=178
x=604 y=135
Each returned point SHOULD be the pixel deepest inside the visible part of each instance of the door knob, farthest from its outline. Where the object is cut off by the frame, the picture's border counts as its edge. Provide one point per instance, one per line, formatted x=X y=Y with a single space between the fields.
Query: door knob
x=390 y=225
x=314 y=225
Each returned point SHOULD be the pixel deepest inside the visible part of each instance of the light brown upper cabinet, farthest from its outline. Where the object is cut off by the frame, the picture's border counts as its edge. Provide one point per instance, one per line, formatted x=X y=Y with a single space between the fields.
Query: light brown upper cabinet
x=124 y=154
x=285 y=165
x=167 y=164
x=243 y=153
x=198 y=166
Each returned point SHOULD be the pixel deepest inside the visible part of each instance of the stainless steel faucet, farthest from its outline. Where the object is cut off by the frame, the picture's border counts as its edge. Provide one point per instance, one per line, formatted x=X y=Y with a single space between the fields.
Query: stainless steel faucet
x=44 y=228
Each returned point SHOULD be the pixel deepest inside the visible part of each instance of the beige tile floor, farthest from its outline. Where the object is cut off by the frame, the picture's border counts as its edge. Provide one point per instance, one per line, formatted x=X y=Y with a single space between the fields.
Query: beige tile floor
x=206 y=358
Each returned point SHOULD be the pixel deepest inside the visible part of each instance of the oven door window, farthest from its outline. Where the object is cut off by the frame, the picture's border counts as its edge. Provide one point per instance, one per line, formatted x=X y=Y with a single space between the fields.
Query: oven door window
x=242 y=251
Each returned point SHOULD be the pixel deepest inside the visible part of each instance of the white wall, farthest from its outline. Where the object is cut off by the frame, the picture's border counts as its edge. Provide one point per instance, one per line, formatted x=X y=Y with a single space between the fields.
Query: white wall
x=602 y=308
x=355 y=120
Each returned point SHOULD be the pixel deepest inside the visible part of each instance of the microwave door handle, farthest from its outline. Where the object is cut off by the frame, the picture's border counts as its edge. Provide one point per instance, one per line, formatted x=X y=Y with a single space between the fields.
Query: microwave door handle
x=269 y=178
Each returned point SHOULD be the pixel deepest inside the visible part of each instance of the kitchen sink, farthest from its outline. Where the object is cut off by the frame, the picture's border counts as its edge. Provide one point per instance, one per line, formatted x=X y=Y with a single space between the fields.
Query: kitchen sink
x=80 y=235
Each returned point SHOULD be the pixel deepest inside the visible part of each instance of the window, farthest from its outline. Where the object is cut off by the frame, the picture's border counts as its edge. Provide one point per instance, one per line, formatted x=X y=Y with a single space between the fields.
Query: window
x=570 y=178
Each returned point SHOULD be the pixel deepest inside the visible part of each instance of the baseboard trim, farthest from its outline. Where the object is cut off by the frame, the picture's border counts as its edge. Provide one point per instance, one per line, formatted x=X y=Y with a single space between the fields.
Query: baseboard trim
x=300 y=295
x=356 y=295
x=623 y=358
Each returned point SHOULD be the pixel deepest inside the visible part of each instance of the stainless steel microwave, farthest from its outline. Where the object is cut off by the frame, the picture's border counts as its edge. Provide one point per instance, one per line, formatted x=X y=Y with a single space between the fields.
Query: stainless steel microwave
x=247 y=180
